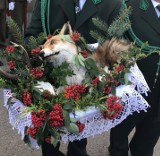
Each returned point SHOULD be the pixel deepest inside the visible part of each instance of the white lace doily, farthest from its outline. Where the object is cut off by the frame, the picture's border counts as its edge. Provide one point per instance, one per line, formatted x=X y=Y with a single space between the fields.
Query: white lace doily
x=91 y=117
x=138 y=80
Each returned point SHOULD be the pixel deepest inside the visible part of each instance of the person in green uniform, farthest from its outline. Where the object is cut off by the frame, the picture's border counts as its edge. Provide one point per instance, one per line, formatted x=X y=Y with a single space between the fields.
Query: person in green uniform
x=48 y=17
x=145 y=27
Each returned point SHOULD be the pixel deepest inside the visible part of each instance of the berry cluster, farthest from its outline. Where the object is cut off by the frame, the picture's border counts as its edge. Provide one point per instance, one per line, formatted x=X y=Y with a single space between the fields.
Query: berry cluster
x=56 y=117
x=113 y=108
x=74 y=91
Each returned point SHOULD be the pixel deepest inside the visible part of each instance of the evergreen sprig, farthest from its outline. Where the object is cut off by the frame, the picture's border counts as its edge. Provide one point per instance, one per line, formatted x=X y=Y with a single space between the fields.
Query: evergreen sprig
x=120 y=25
x=33 y=42
x=100 y=24
x=117 y=28
x=41 y=38
x=98 y=36
x=15 y=31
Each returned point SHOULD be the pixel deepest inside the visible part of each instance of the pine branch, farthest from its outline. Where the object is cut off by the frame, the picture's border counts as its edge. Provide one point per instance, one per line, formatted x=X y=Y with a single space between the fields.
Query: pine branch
x=97 y=36
x=15 y=31
x=41 y=38
x=32 y=43
x=121 y=24
x=100 y=24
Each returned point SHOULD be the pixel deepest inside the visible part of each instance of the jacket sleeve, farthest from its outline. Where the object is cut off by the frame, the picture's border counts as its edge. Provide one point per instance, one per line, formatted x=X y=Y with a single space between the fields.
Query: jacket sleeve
x=35 y=25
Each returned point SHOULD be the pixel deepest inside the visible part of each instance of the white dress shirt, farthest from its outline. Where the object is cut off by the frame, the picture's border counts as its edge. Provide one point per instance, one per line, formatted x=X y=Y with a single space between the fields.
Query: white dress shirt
x=81 y=3
x=155 y=4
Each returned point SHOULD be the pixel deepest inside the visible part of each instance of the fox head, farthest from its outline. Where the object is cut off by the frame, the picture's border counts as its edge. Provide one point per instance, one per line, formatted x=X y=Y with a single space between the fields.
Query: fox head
x=57 y=48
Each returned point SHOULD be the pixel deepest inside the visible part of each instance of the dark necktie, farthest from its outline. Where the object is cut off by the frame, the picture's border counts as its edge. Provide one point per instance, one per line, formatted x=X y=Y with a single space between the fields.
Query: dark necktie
x=77 y=8
x=158 y=7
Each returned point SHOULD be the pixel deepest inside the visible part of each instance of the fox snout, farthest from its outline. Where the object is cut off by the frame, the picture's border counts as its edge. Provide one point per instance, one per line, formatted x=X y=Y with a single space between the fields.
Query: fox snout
x=41 y=54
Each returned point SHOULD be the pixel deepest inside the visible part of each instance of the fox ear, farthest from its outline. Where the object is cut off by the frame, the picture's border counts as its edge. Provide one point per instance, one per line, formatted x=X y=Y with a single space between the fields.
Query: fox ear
x=70 y=29
x=64 y=28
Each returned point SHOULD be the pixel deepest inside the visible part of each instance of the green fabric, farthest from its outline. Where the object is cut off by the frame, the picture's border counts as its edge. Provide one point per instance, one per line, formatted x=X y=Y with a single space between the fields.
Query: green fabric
x=96 y=1
x=144 y=4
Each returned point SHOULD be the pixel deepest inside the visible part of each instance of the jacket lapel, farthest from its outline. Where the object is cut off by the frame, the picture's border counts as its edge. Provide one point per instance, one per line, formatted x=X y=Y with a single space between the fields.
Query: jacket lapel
x=88 y=11
x=68 y=8
x=150 y=16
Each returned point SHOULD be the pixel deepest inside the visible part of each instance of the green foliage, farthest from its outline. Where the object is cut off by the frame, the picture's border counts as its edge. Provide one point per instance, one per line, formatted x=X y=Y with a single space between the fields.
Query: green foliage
x=66 y=38
x=100 y=24
x=58 y=75
x=15 y=31
x=117 y=28
x=91 y=67
x=66 y=118
x=2 y=82
x=41 y=38
x=120 y=24
x=98 y=36
x=90 y=99
x=55 y=140
x=78 y=60
x=33 y=42
x=73 y=128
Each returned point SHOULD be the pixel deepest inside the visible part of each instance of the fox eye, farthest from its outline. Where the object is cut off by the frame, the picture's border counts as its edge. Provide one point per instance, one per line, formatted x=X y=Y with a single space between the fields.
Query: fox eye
x=52 y=42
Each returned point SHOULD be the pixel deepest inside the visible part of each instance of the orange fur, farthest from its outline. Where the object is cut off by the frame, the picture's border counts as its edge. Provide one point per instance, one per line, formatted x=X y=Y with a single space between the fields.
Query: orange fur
x=110 y=51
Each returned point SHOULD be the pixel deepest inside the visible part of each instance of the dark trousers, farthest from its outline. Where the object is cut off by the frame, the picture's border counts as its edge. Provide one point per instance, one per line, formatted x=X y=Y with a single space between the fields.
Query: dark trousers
x=2 y=28
x=147 y=130
x=75 y=148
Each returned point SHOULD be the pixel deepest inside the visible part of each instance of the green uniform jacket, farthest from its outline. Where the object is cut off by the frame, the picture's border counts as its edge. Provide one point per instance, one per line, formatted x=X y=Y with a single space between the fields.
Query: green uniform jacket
x=61 y=11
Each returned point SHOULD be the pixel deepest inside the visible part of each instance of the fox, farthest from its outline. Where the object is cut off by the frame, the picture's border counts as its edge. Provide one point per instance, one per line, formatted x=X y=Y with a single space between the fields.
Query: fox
x=57 y=50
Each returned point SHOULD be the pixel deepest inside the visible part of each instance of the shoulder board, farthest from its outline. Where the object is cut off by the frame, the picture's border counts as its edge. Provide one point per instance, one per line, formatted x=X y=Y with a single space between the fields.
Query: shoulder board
x=96 y=1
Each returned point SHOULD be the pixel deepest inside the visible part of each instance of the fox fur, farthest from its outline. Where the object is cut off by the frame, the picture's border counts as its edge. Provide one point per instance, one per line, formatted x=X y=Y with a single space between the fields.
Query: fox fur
x=57 y=50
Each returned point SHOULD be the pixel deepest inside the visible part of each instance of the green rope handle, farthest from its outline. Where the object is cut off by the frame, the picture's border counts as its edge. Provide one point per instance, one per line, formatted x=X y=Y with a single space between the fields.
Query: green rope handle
x=147 y=48
x=48 y=15
x=43 y=9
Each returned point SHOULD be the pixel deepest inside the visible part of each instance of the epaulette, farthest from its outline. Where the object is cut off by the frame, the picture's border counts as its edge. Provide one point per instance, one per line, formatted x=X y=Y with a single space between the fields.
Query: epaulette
x=144 y=4
x=96 y=1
